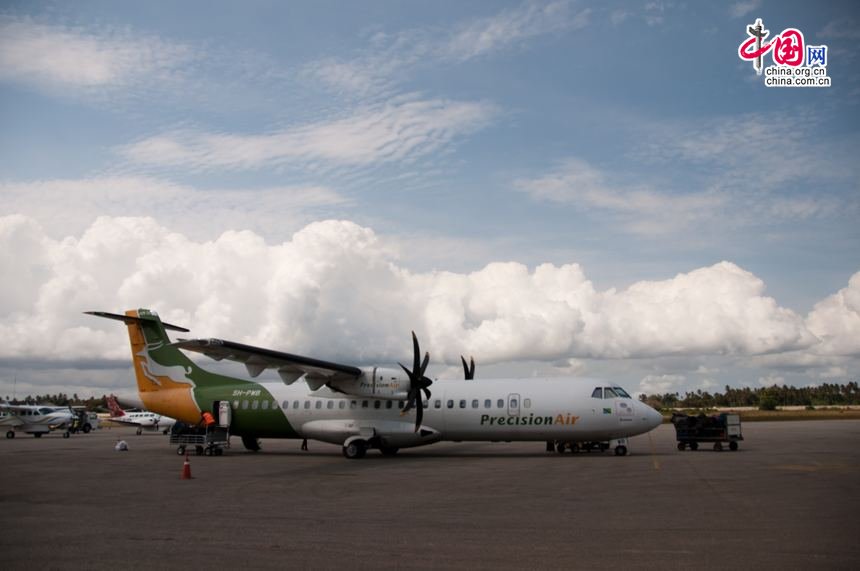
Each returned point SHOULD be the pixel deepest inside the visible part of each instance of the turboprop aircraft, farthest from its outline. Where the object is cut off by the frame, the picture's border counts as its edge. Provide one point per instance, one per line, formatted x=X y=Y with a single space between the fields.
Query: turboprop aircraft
x=143 y=420
x=35 y=419
x=369 y=407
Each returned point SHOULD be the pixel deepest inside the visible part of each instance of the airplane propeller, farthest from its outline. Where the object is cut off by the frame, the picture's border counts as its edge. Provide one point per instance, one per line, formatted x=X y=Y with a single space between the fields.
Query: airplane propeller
x=468 y=370
x=417 y=383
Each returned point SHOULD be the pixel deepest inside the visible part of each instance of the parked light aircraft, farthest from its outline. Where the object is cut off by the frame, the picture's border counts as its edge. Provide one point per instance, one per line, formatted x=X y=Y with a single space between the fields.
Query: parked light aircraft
x=143 y=420
x=35 y=419
x=370 y=407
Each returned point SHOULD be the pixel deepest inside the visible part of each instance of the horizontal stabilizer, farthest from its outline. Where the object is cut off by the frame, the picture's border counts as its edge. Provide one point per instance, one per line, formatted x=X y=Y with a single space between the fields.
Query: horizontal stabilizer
x=129 y=319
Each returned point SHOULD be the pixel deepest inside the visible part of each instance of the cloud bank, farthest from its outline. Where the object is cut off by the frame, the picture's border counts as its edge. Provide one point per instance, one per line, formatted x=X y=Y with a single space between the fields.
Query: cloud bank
x=337 y=290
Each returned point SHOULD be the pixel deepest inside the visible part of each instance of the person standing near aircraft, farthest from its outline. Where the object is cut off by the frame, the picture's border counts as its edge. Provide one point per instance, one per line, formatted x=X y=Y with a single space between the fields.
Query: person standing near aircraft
x=206 y=419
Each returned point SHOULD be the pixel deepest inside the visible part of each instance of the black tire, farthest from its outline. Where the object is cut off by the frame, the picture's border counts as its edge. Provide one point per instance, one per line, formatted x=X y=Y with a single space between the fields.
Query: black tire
x=218 y=451
x=681 y=446
x=198 y=450
x=10 y=434
x=251 y=443
x=207 y=452
x=694 y=445
x=38 y=435
x=718 y=447
x=733 y=446
x=180 y=450
x=355 y=449
x=87 y=428
x=621 y=450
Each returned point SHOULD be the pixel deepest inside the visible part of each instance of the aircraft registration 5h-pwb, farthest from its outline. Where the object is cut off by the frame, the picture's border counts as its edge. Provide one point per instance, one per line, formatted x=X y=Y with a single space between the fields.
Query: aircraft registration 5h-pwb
x=370 y=407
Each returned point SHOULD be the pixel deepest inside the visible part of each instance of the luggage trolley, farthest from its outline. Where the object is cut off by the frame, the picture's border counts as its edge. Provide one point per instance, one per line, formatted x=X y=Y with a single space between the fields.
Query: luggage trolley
x=209 y=441
x=691 y=430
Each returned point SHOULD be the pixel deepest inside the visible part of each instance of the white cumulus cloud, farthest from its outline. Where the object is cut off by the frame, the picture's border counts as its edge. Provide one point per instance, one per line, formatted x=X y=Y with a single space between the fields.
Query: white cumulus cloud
x=335 y=290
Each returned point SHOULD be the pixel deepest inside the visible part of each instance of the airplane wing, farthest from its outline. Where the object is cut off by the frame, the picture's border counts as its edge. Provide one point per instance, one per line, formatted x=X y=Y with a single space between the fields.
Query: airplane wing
x=256 y=359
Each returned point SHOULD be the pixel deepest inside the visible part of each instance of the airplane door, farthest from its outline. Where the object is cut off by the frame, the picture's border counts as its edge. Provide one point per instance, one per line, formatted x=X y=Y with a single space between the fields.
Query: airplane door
x=224 y=413
x=513 y=405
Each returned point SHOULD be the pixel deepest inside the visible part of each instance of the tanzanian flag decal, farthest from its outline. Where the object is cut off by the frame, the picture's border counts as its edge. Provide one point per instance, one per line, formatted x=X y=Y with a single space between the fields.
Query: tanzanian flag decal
x=607 y=411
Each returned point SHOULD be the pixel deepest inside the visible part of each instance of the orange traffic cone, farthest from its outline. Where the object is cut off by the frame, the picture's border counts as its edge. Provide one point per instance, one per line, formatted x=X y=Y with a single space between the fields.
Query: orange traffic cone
x=186 y=469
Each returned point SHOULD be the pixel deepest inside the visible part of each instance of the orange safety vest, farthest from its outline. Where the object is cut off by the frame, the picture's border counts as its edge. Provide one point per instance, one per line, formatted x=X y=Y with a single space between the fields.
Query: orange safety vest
x=208 y=419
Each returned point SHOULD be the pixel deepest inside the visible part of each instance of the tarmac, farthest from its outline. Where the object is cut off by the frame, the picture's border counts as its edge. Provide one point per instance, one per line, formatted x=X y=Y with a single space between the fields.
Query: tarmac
x=789 y=498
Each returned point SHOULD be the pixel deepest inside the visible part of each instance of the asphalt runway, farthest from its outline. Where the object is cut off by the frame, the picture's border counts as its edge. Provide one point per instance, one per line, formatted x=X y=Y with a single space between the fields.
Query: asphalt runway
x=789 y=498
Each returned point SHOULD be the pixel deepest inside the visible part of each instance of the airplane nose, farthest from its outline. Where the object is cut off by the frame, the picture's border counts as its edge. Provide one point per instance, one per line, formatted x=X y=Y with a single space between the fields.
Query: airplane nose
x=655 y=419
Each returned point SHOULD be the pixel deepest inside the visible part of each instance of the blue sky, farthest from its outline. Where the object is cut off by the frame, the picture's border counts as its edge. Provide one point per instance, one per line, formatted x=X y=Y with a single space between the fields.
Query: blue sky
x=624 y=144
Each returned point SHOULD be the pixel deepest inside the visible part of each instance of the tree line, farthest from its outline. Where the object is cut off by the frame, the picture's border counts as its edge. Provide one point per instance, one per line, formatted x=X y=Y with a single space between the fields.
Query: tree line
x=62 y=399
x=766 y=398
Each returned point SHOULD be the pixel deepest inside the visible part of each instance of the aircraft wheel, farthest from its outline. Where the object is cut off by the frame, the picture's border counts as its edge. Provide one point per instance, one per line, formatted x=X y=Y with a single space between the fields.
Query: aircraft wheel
x=559 y=447
x=139 y=430
x=733 y=445
x=66 y=434
x=694 y=445
x=621 y=450
x=388 y=450
x=355 y=449
x=251 y=443
x=681 y=446
x=10 y=434
x=180 y=450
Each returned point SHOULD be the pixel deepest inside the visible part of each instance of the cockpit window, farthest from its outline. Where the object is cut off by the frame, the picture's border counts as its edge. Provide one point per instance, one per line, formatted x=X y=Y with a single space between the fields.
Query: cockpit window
x=597 y=394
x=621 y=392
x=608 y=393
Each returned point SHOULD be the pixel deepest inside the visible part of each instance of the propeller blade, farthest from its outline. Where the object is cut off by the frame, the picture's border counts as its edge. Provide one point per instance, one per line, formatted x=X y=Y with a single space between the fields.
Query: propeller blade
x=416 y=353
x=423 y=366
x=419 y=414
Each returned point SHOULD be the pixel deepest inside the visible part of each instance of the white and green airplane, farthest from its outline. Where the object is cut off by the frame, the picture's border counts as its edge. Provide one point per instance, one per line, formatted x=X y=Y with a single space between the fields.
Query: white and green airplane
x=371 y=407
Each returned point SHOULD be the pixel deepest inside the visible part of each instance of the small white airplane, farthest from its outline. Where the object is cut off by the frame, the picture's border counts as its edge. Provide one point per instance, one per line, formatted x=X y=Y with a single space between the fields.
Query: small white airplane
x=372 y=407
x=35 y=419
x=143 y=420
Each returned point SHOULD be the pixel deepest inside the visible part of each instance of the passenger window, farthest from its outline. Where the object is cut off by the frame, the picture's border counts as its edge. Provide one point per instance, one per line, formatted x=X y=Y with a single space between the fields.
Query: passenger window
x=450 y=403
x=244 y=405
x=474 y=403
x=329 y=405
x=377 y=404
x=255 y=404
x=296 y=404
x=364 y=404
x=235 y=405
x=285 y=405
x=388 y=404
x=319 y=404
x=609 y=393
x=353 y=404
x=488 y=403
x=265 y=405
x=307 y=404
x=527 y=403
x=400 y=404
x=500 y=403
x=597 y=393
x=437 y=403
x=341 y=404
x=463 y=403
x=514 y=403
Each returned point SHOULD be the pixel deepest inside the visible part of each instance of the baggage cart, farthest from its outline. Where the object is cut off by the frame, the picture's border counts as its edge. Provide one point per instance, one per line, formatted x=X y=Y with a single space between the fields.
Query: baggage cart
x=724 y=428
x=209 y=441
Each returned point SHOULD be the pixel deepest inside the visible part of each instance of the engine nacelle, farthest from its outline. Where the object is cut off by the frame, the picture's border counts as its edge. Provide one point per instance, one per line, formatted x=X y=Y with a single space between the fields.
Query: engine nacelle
x=375 y=382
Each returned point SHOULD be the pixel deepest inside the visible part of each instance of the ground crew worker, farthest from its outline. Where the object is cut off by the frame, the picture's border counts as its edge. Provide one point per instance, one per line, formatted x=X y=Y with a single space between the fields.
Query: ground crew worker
x=207 y=419
x=305 y=444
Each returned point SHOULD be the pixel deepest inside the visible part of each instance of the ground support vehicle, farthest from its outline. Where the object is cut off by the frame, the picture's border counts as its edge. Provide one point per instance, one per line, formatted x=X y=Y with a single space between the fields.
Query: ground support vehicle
x=209 y=441
x=721 y=429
